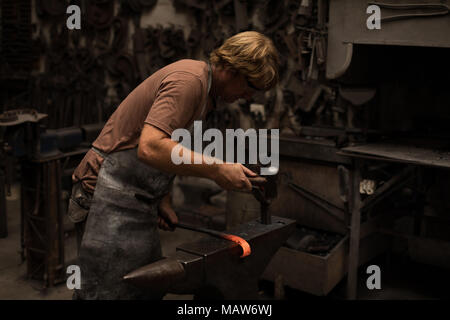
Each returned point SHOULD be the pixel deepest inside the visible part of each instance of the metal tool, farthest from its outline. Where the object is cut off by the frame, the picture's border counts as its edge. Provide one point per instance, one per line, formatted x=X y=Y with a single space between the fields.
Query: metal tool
x=246 y=250
x=264 y=189
x=257 y=181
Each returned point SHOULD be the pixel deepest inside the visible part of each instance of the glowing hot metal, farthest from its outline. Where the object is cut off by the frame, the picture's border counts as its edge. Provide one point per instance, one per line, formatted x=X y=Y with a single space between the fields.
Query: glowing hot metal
x=246 y=250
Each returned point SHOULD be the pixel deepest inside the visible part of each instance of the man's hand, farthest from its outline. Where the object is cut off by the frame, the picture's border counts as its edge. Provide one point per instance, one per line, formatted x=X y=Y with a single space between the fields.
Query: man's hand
x=166 y=214
x=233 y=176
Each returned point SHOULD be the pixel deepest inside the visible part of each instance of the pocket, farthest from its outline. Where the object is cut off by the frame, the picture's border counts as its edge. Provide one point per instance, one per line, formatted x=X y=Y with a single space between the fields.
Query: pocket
x=75 y=212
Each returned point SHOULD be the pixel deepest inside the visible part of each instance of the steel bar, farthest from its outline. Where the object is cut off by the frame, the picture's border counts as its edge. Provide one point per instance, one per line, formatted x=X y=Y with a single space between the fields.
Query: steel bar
x=3 y=220
x=322 y=203
x=355 y=228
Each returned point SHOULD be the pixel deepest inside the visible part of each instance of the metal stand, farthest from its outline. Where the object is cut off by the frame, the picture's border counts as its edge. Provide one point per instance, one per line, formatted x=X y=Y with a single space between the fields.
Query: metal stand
x=43 y=232
x=42 y=236
x=3 y=220
x=355 y=223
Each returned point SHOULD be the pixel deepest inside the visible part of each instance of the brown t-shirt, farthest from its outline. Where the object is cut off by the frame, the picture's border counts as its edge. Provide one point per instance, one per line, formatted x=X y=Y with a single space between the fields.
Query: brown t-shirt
x=171 y=98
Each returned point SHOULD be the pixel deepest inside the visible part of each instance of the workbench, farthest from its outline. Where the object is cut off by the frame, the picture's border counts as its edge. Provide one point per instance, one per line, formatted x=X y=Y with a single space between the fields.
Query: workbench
x=415 y=155
x=316 y=164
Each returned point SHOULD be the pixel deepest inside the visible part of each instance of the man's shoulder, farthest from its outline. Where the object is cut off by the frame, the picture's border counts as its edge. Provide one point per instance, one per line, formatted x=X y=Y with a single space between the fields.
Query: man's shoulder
x=189 y=63
x=195 y=68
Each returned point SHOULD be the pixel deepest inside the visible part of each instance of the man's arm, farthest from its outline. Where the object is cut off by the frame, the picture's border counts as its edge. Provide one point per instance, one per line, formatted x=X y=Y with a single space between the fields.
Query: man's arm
x=155 y=149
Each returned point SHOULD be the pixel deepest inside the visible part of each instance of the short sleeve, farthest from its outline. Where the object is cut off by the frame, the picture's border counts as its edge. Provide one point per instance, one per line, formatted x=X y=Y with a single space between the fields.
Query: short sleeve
x=178 y=98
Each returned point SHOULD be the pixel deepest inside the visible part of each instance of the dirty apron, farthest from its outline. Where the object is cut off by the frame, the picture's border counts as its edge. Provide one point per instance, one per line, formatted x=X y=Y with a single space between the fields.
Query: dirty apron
x=121 y=232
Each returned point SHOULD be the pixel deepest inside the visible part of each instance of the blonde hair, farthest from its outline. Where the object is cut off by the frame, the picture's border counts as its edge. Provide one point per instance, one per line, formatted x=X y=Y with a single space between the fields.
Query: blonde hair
x=253 y=55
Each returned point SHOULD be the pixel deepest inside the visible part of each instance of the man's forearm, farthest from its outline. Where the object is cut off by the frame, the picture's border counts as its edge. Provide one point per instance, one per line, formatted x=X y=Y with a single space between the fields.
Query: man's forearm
x=159 y=156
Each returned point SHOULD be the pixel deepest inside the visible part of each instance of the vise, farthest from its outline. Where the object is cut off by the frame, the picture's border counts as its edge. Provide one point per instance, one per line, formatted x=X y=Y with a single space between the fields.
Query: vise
x=211 y=268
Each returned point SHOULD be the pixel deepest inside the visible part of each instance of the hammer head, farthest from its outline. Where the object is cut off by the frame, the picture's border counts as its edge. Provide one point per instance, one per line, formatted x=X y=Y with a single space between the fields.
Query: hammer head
x=267 y=184
x=264 y=190
x=271 y=185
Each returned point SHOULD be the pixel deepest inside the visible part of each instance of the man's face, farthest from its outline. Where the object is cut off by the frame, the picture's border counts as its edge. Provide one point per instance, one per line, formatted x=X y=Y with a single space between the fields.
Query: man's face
x=237 y=87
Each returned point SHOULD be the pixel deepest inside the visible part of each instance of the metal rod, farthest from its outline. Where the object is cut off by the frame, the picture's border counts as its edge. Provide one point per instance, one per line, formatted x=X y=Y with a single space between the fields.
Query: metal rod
x=3 y=219
x=322 y=203
x=199 y=229
x=246 y=250
x=355 y=232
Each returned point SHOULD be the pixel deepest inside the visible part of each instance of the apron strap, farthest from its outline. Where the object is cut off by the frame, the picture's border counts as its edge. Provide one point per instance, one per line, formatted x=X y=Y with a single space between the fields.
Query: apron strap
x=99 y=152
x=209 y=88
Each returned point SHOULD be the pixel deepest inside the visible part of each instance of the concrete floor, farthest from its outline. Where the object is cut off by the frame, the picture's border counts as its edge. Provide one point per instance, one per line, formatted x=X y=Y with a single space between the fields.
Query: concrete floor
x=401 y=279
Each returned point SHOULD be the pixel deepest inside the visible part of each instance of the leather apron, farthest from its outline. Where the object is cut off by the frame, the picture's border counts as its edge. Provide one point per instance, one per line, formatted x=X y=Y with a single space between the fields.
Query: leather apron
x=121 y=232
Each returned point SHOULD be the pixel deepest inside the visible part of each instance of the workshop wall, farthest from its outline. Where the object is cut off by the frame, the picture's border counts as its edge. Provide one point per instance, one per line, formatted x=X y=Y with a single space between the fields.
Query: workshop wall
x=80 y=76
x=83 y=75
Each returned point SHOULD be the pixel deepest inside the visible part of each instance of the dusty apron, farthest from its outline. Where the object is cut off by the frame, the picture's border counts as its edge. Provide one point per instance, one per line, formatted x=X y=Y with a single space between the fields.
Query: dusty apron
x=121 y=232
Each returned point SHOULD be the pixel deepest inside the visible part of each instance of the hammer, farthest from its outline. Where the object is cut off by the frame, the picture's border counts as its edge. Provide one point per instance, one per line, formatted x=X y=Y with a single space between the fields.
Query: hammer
x=264 y=190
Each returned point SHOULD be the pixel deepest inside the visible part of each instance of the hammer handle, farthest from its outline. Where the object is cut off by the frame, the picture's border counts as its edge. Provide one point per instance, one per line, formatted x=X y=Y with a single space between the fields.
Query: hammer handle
x=257 y=181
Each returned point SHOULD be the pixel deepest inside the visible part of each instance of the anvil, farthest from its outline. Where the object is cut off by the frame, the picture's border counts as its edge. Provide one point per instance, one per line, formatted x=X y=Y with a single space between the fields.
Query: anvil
x=211 y=268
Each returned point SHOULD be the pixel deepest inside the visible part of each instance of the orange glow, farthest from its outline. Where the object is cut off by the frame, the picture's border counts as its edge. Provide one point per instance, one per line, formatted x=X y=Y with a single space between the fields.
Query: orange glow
x=246 y=250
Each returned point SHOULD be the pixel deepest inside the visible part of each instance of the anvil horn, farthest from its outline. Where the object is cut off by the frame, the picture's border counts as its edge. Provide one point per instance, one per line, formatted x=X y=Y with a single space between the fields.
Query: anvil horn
x=161 y=274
